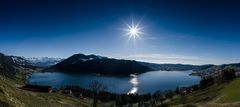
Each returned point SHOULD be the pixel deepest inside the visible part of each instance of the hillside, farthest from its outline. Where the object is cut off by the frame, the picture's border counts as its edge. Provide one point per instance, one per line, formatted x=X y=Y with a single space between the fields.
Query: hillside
x=10 y=65
x=12 y=96
x=223 y=95
x=80 y=63
x=12 y=76
x=209 y=70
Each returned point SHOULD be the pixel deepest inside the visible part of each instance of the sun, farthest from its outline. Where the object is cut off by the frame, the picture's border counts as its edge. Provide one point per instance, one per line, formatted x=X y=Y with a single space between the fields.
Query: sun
x=133 y=31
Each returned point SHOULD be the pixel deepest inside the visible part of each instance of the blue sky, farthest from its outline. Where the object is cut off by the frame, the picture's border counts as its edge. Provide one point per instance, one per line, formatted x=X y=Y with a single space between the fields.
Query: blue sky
x=175 y=31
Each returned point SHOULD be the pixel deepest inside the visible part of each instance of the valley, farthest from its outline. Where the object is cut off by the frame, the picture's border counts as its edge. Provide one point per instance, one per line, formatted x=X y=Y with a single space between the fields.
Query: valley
x=14 y=73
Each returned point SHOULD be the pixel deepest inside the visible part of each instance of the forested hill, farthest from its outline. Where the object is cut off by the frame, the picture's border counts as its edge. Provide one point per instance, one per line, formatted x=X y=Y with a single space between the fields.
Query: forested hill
x=80 y=63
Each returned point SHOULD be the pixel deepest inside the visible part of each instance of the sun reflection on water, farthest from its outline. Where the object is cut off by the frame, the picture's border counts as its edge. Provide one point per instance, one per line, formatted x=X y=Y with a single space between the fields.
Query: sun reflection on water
x=134 y=82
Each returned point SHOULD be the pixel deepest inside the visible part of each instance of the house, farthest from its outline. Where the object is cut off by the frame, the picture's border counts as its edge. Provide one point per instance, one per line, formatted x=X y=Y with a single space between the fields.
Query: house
x=237 y=74
x=38 y=88
x=69 y=92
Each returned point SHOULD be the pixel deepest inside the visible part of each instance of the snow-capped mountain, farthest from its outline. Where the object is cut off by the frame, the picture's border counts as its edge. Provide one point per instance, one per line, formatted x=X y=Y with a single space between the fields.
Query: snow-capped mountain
x=34 y=61
x=19 y=60
x=43 y=61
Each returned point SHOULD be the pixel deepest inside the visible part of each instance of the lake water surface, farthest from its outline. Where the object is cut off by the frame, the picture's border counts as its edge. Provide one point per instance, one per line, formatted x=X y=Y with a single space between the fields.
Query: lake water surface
x=142 y=83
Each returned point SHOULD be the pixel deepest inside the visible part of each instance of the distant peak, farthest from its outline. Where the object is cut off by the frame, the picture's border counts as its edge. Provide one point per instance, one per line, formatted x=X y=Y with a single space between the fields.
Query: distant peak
x=91 y=56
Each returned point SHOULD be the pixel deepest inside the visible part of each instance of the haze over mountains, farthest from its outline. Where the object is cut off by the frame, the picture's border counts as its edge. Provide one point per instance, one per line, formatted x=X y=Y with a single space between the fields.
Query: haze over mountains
x=44 y=61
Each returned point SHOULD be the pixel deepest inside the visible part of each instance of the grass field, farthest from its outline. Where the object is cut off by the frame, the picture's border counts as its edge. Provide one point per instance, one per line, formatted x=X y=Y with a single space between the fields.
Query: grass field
x=223 y=95
x=231 y=92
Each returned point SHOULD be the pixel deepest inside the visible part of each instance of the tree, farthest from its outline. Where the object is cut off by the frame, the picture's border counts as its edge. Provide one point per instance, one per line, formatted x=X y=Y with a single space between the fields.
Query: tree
x=169 y=94
x=228 y=73
x=96 y=87
x=206 y=82
x=159 y=96
x=183 y=97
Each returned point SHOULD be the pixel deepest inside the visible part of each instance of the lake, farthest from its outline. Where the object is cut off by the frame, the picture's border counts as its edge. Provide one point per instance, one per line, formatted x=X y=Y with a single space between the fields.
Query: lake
x=143 y=83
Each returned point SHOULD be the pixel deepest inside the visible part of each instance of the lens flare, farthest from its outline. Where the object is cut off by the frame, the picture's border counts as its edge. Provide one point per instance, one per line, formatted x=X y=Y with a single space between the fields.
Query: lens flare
x=133 y=30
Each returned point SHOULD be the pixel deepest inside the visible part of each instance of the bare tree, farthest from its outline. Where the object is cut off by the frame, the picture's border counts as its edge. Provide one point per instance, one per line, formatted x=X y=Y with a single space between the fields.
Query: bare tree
x=96 y=87
x=169 y=94
x=183 y=97
x=160 y=96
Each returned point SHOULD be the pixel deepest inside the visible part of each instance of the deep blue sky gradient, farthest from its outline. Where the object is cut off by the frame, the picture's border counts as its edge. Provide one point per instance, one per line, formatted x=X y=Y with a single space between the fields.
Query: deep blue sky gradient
x=176 y=31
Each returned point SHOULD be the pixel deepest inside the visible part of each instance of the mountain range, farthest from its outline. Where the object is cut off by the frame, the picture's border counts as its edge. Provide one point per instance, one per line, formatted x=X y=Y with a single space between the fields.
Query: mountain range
x=80 y=63
x=10 y=65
